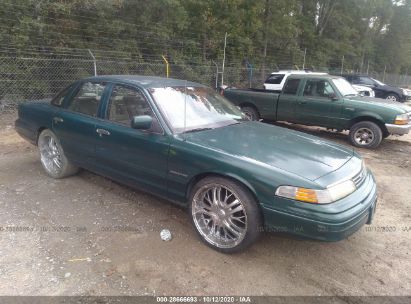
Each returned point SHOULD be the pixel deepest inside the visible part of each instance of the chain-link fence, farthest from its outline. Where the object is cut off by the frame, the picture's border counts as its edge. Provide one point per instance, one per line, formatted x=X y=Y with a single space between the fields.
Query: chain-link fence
x=38 y=77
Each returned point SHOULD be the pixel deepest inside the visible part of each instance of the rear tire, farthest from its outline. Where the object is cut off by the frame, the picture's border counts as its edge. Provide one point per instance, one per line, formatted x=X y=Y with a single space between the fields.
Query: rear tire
x=366 y=134
x=224 y=214
x=52 y=156
x=251 y=113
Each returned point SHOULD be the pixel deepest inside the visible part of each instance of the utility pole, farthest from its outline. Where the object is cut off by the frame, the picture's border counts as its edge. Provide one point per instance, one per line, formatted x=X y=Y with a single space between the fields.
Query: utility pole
x=305 y=53
x=225 y=44
x=216 y=74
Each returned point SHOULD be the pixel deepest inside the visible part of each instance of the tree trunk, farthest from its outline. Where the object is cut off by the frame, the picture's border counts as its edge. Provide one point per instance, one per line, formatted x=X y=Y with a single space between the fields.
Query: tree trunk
x=265 y=37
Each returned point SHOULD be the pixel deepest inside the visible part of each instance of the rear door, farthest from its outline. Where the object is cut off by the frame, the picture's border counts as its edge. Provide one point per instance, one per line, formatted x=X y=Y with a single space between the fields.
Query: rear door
x=136 y=157
x=74 y=122
x=319 y=103
x=287 y=101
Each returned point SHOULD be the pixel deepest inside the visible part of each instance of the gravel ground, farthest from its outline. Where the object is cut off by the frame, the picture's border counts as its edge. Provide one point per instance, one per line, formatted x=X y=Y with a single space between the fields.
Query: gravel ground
x=86 y=235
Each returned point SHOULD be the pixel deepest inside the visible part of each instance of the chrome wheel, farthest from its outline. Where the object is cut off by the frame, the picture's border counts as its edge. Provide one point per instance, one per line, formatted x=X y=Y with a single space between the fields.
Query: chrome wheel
x=50 y=154
x=364 y=136
x=219 y=215
x=392 y=98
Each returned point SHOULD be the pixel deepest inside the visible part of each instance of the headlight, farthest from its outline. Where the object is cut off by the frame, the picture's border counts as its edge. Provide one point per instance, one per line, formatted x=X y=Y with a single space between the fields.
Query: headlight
x=405 y=92
x=329 y=195
x=401 y=119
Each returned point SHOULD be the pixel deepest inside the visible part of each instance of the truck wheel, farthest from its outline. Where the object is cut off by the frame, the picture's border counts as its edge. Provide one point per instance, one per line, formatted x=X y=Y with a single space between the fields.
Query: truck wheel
x=251 y=113
x=225 y=214
x=392 y=97
x=365 y=134
x=52 y=157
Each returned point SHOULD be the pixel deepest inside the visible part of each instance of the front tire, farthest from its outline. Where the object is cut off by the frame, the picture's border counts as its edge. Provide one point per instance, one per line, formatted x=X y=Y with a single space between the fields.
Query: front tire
x=52 y=156
x=224 y=214
x=366 y=134
x=392 y=97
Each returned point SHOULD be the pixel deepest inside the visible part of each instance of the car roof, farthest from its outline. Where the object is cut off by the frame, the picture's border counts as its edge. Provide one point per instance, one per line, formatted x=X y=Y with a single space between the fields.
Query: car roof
x=308 y=75
x=145 y=81
x=299 y=72
x=356 y=75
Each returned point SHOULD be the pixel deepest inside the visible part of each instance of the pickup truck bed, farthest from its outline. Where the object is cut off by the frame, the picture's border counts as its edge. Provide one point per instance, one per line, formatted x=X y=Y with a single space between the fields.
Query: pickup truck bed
x=264 y=100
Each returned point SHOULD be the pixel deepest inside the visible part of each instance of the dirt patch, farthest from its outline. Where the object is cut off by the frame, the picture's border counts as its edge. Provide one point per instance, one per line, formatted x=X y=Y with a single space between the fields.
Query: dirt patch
x=86 y=235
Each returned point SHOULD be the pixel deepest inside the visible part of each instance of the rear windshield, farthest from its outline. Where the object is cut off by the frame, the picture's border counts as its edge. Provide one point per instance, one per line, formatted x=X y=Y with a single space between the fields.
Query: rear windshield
x=275 y=79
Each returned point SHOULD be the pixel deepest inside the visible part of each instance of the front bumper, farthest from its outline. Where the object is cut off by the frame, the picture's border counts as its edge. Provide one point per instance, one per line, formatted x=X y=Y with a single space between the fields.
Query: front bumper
x=406 y=97
x=398 y=129
x=333 y=226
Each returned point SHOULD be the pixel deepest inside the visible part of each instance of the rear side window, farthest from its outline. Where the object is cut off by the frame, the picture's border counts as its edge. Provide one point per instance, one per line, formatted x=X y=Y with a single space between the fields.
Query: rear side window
x=291 y=86
x=87 y=98
x=275 y=79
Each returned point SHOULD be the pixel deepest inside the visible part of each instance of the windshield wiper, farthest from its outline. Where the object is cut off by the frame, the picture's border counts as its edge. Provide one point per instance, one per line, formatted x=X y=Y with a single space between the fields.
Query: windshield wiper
x=197 y=130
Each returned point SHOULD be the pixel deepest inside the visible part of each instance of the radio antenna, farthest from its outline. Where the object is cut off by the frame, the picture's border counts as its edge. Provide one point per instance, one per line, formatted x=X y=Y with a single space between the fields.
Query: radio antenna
x=185 y=109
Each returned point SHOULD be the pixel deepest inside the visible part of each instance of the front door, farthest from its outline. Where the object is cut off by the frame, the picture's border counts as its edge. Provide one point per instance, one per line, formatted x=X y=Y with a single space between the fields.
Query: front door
x=319 y=103
x=135 y=157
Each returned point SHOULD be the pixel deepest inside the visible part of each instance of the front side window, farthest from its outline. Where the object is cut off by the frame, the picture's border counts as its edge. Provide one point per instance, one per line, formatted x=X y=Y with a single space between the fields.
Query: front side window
x=125 y=103
x=87 y=98
x=318 y=88
x=291 y=87
x=59 y=99
x=275 y=79
x=194 y=108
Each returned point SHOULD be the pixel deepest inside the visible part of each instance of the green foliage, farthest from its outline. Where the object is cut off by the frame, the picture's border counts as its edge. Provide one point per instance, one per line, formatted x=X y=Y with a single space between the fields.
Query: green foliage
x=270 y=33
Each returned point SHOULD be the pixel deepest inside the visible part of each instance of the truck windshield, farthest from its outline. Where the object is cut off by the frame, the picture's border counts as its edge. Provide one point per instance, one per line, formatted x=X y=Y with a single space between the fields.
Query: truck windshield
x=344 y=87
x=202 y=108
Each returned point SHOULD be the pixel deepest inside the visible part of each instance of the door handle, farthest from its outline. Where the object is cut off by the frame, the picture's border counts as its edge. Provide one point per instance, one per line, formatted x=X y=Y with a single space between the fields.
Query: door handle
x=102 y=132
x=58 y=119
x=302 y=102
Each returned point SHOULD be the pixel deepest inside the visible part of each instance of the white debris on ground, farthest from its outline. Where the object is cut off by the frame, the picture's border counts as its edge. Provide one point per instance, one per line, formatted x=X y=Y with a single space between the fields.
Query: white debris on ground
x=165 y=235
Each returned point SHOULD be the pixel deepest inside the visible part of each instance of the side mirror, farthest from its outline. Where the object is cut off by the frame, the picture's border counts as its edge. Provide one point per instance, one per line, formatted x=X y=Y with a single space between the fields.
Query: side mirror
x=141 y=122
x=333 y=96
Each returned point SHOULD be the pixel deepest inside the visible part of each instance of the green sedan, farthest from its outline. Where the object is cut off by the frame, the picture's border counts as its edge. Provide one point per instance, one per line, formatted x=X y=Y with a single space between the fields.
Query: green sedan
x=181 y=141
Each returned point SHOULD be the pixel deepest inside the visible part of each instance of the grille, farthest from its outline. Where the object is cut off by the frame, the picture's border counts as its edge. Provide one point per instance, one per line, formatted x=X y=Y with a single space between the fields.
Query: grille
x=359 y=178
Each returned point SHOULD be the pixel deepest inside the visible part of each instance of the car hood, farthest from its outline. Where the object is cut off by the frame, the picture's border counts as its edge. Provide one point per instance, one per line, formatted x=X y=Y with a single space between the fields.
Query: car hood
x=384 y=103
x=266 y=145
x=387 y=87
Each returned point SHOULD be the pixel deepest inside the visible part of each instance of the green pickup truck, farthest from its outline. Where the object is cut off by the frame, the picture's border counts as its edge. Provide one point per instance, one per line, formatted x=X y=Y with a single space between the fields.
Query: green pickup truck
x=326 y=101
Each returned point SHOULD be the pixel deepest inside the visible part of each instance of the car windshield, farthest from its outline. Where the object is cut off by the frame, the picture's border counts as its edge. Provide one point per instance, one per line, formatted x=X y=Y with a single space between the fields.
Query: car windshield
x=344 y=87
x=379 y=82
x=201 y=107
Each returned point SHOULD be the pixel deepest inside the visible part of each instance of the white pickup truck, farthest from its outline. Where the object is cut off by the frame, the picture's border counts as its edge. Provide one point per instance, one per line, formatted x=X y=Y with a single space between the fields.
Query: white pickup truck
x=276 y=81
